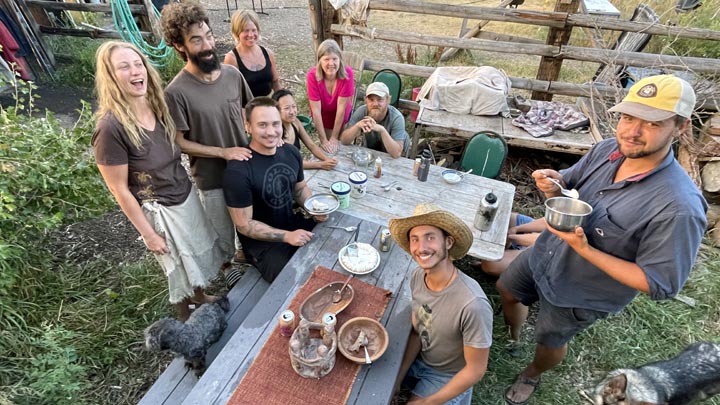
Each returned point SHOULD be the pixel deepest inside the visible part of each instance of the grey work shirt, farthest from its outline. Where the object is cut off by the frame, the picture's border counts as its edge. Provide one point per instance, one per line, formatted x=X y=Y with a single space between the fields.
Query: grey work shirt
x=655 y=219
x=394 y=123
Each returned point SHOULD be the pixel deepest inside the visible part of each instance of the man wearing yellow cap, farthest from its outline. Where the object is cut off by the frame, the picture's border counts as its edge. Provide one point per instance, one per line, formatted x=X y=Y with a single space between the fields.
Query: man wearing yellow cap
x=382 y=125
x=643 y=234
x=448 y=348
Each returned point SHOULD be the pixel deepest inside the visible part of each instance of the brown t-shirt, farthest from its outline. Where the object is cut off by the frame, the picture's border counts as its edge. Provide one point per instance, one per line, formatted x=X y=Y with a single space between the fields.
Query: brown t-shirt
x=154 y=171
x=210 y=113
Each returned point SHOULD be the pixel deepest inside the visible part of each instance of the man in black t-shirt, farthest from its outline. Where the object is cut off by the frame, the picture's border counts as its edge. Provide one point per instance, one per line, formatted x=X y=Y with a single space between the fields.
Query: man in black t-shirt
x=260 y=193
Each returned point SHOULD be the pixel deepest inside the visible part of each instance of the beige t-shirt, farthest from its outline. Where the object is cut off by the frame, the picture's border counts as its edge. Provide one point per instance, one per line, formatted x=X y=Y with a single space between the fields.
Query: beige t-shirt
x=458 y=316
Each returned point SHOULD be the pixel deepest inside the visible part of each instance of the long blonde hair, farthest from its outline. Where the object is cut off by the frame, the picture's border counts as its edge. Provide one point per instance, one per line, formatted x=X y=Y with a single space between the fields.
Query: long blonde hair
x=112 y=100
x=329 y=46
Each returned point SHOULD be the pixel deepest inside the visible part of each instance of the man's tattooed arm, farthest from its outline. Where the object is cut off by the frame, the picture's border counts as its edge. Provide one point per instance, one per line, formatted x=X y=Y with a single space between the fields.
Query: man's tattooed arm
x=242 y=218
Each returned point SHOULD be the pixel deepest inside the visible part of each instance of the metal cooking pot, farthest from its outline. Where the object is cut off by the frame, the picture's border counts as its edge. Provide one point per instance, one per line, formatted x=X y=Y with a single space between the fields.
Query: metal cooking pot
x=564 y=214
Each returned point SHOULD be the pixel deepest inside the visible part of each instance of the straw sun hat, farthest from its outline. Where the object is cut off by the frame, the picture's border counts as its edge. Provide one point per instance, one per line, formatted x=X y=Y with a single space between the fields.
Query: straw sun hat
x=430 y=214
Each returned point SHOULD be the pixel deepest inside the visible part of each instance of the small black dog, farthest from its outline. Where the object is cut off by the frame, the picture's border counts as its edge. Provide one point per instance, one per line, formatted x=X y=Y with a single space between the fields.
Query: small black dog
x=692 y=375
x=192 y=338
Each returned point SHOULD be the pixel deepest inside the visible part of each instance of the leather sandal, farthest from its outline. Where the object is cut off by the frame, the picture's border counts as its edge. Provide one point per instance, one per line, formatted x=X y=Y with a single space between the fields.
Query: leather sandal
x=521 y=379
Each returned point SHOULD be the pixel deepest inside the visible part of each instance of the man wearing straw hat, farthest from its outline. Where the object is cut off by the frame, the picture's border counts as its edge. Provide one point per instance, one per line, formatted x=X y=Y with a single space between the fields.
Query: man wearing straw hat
x=448 y=348
x=643 y=234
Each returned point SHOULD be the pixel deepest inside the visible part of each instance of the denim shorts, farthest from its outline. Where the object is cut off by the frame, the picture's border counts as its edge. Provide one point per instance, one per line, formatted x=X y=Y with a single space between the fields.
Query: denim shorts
x=428 y=381
x=555 y=326
x=520 y=219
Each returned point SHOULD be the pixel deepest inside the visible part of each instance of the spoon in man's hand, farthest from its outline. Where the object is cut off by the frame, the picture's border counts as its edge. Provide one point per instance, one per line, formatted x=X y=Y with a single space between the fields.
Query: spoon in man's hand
x=567 y=193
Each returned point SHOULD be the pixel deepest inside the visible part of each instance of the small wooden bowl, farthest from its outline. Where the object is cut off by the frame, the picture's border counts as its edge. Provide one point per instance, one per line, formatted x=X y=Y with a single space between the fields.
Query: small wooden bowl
x=376 y=334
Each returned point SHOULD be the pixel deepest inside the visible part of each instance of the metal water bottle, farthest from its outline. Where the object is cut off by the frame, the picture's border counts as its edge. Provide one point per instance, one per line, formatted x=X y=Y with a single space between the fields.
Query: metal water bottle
x=425 y=162
x=486 y=212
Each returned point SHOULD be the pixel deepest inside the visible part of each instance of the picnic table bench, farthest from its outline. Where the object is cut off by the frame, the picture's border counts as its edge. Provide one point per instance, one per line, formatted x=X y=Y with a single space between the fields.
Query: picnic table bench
x=177 y=381
x=374 y=384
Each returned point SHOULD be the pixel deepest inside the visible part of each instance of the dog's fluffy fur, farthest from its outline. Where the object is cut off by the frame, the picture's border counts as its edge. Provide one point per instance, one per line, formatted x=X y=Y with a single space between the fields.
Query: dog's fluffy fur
x=192 y=338
x=692 y=375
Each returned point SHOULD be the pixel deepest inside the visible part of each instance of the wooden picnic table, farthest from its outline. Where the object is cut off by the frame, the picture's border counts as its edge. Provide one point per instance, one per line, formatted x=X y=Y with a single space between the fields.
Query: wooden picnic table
x=461 y=199
x=374 y=383
x=467 y=125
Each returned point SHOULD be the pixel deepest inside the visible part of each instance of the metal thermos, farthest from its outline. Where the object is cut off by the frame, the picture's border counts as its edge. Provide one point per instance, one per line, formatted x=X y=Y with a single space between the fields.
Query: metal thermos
x=486 y=212
x=425 y=162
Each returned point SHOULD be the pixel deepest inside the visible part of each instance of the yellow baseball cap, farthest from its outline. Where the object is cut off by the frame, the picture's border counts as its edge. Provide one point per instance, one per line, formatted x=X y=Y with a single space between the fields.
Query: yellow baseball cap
x=657 y=98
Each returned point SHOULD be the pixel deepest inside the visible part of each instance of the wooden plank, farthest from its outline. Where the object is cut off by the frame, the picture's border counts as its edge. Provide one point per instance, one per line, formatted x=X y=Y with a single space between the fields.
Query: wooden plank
x=465 y=126
x=599 y=7
x=92 y=33
x=95 y=8
x=549 y=68
x=548 y=19
x=177 y=381
x=682 y=63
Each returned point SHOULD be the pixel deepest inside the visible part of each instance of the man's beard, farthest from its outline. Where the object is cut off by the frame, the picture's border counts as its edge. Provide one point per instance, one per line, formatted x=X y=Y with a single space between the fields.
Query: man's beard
x=206 y=66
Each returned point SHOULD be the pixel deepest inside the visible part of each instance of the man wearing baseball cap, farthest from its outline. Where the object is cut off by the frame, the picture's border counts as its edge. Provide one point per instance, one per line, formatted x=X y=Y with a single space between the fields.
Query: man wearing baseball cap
x=447 y=352
x=643 y=234
x=382 y=125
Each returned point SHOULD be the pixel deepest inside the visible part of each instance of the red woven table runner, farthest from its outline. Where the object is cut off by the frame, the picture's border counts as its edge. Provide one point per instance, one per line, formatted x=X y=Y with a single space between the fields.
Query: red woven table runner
x=272 y=380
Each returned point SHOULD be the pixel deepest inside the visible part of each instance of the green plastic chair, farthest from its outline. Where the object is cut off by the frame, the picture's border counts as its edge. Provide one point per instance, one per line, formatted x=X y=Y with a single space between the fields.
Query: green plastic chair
x=393 y=81
x=485 y=154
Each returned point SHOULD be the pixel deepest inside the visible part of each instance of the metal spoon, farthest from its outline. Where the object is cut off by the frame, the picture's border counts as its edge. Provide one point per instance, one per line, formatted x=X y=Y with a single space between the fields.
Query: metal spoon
x=389 y=186
x=346 y=228
x=337 y=295
x=364 y=344
x=567 y=193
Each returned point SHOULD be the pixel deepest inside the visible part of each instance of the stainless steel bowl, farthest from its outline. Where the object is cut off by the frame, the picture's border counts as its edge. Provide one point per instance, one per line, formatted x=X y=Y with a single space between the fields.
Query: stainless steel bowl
x=564 y=214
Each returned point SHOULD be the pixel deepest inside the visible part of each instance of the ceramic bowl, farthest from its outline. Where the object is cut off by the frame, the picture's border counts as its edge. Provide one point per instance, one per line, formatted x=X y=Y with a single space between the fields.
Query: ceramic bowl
x=375 y=332
x=321 y=302
x=564 y=214
x=452 y=176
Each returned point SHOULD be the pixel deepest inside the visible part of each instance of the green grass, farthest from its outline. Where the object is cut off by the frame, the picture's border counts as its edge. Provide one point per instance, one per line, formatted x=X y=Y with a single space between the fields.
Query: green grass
x=645 y=331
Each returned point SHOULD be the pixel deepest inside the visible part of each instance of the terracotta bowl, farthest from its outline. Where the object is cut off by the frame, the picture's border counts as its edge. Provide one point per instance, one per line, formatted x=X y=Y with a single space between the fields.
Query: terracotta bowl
x=375 y=332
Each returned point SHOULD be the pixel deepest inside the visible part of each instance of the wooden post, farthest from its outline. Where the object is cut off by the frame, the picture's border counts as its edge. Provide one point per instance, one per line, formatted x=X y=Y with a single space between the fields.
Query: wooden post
x=550 y=66
x=152 y=21
x=316 y=22
x=450 y=52
x=329 y=17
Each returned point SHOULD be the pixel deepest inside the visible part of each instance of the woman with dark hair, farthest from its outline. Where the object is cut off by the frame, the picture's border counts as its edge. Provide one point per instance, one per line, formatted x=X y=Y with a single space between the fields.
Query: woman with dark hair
x=134 y=146
x=294 y=132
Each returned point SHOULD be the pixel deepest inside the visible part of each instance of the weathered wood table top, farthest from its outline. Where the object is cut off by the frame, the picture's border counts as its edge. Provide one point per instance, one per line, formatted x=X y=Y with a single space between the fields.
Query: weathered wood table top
x=374 y=383
x=461 y=199
x=466 y=125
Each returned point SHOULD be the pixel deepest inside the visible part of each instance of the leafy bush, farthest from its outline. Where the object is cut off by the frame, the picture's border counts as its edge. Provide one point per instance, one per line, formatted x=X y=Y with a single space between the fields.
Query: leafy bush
x=57 y=376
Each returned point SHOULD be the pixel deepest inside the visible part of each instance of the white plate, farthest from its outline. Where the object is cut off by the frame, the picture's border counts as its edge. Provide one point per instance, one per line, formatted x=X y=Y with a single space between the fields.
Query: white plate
x=321 y=204
x=367 y=261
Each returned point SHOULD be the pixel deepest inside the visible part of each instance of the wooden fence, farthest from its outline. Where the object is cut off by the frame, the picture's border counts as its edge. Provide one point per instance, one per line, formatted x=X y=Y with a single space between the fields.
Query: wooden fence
x=325 y=24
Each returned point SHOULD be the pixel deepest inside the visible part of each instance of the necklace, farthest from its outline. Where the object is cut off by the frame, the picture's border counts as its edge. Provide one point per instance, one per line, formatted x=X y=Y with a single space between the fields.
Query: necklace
x=447 y=283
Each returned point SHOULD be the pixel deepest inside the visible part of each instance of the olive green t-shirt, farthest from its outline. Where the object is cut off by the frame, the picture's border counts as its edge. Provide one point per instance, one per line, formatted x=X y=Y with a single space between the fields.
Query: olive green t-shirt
x=209 y=113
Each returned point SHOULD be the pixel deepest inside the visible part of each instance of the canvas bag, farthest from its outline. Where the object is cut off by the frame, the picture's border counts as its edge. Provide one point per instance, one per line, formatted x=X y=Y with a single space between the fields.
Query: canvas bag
x=476 y=90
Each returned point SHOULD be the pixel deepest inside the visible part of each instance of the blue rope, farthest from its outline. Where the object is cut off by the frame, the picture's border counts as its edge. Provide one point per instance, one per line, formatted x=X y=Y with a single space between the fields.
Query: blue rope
x=160 y=55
